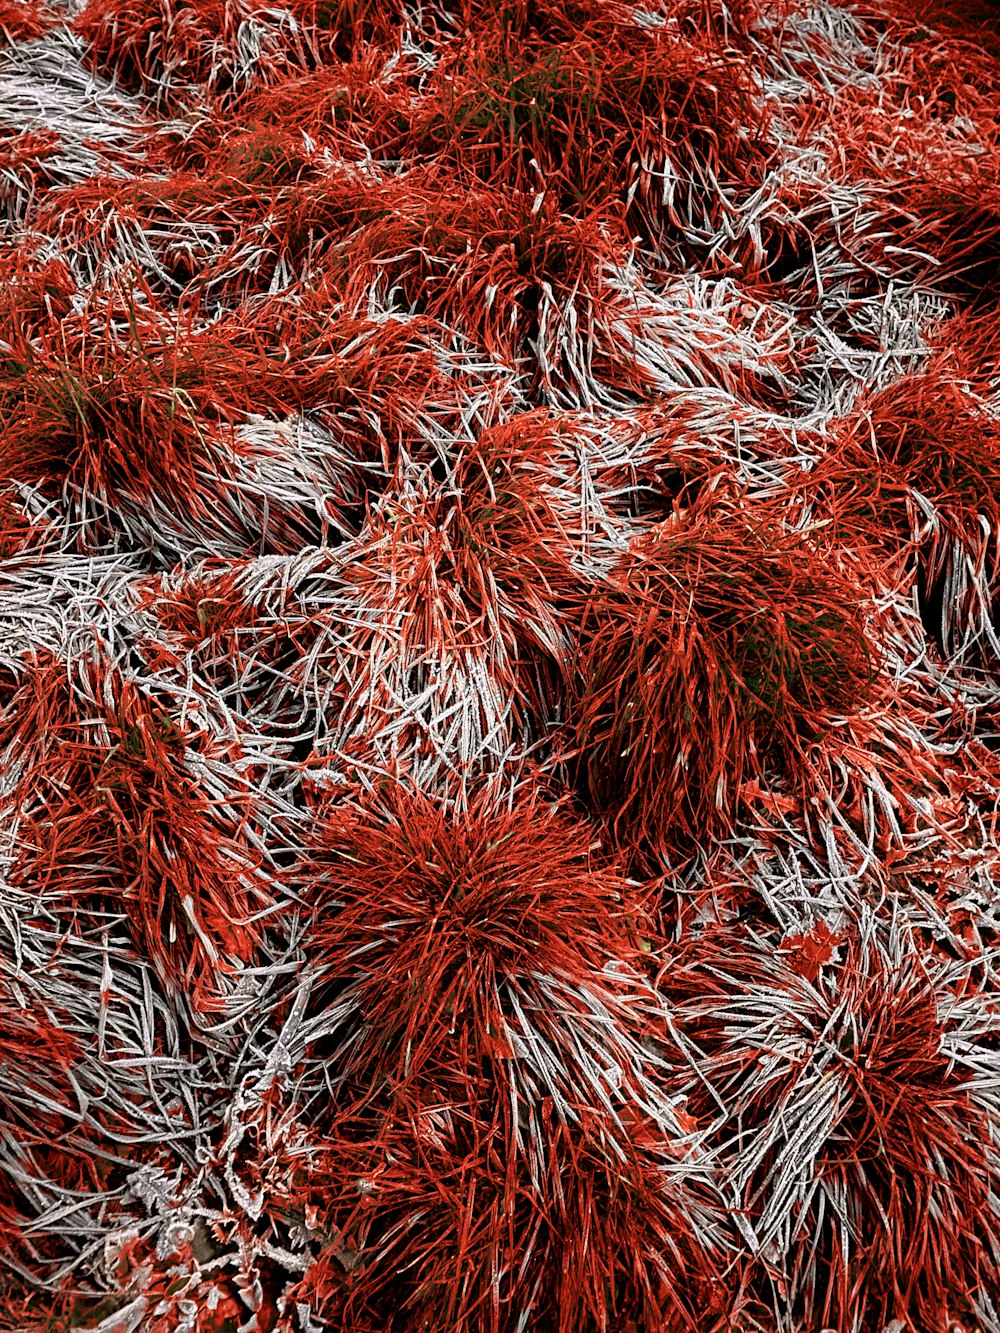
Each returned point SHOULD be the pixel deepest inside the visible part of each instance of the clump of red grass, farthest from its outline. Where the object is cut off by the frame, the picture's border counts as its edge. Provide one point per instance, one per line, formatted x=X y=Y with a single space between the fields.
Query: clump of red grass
x=937 y=207
x=113 y=820
x=599 y=111
x=455 y=998
x=174 y=52
x=26 y=20
x=506 y=527
x=956 y=222
x=720 y=645
x=108 y=404
x=41 y=1047
x=855 y=1129
x=957 y=33
x=41 y=1105
x=250 y=654
x=34 y=292
x=19 y=533
x=343 y=30
x=374 y=384
x=443 y=609
x=926 y=432
x=25 y=154
x=914 y=474
x=107 y=413
x=26 y=1309
x=204 y=611
x=609 y=1242
x=341 y=106
x=470 y=903
x=941 y=441
x=248 y=158
x=479 y=260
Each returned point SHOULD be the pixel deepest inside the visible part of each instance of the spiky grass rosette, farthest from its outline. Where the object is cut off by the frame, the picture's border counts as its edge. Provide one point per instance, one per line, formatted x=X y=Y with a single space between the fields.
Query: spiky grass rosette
x=494 y=1056
x=499 y=648
x=718 y=645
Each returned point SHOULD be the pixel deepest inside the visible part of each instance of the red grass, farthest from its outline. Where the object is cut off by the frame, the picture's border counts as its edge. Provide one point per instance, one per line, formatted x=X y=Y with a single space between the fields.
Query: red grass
x=478 y=260
x=107 y=414
x=26 y=20
x=719 y=645
x=340 y=107
x=205 y=612
x=107 y=405
x=519 y=1246
x=174 y=52
x=600 y=111
x=469 y=904
x=856 y=1108
x=957 y=223
x=113 y=820
x=506 y=528
x=378 y=386
x=342 y=30
x=179 y=53
x=34 y=292
x=915 y=474
x=457 y=1002
x=40 y=1047
x=24 y=155
x=428 y=598
x=409 y=411
x=923 y=432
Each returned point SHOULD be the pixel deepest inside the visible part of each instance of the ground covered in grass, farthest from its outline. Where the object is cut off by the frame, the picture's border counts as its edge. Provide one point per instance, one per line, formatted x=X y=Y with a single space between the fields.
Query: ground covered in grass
x=499 y=666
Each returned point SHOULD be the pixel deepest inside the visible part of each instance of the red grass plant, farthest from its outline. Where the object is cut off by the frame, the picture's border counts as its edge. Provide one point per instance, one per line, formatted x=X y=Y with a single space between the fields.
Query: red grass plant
x=915 y=473
x=339 y=107
x=41 y=1047
x=449 y=594
x=176 y=52
x=35 y=292
x=926 y=433
x=720 y=645
x=204 y=611
x=856 y=1127
x=26 y=20
x=110 y=408
x=493 y=1064
x=419 y=647
x=113 y=821
x=941 y=441
x=482 y=261
x=506 y=527
x=380 y=387
x=595 y=107
x=485 y=262
x=25 y=155
x=957 y=224
x=209 y=627
x=108 y=418
x=932 y=211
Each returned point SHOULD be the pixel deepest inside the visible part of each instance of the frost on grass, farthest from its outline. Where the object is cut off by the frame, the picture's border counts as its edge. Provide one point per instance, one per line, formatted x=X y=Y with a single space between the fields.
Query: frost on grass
x=499 y=654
